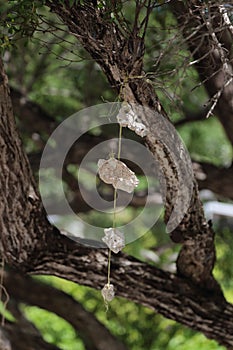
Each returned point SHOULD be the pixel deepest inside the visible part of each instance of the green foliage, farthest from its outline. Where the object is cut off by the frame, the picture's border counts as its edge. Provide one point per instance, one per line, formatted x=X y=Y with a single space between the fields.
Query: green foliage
x=137 y=326
x=54 y=329
x=19 y=19
x=63 y=79
x=223 y=267
x=5 y=314
x=206 y=141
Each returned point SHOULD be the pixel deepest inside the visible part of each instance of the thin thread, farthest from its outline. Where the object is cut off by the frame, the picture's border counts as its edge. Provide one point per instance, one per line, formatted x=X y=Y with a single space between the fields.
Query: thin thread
x=114 y=204
x=114 y=208
x=119 y=143
x=109 y=265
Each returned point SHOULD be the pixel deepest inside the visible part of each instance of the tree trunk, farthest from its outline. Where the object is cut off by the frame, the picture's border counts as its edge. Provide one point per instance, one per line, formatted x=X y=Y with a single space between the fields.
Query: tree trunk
x=29 y=243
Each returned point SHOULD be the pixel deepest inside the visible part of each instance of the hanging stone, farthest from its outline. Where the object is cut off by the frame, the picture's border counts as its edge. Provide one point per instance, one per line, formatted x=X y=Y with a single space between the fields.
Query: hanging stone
x=116 y=173
x=140 y=129
x=127 y=117
x=114 y=239
x=108 y=292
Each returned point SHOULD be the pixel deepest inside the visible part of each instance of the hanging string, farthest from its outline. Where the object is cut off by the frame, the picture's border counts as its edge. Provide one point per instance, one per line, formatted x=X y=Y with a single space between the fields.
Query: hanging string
x=114 y=171
x=115 y=190
x=114 y=204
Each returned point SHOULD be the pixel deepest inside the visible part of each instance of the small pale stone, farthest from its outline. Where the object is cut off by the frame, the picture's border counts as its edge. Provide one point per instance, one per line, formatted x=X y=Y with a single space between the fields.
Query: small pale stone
x=114 y=239
x=100 y=162
x=108 y=292
x=127 y=117
x=140 y=129
x=126 y=185
x=115 y=172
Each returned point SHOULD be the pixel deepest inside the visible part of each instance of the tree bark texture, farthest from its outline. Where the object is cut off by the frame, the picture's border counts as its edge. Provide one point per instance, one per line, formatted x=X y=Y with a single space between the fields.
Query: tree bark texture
x=21 y=210
x=105 y=43
x=209 y=37
x=94 y=335
x=29 y=243
x=49 y=252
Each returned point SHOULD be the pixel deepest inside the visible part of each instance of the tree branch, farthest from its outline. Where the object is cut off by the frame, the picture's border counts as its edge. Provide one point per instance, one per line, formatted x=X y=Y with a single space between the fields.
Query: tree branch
x=21 y=207
x=173 y=296
x=197 y=256
x=212 y=54
x=94 y=335
x=218 y=180
x=192 y=117
x=21 y=339
x=22 y=333
x=35 y=119
x=30 y=244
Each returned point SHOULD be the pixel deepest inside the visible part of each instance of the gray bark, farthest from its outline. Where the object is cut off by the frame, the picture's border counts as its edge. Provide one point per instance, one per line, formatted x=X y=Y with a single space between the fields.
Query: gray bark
x=30 y=244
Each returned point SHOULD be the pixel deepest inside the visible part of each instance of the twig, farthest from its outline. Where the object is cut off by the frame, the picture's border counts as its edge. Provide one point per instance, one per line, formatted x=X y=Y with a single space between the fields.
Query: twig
x=226 y=18
x=216 y=97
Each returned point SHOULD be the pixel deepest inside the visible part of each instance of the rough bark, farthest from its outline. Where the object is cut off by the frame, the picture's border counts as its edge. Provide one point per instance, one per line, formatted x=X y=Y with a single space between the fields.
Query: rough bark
x=209 y=37
x=122 y=63
x=175 y=297
x=30 y=244
x=21 y=209
x=22 y=339
x=21 y=334
x=94 y=335
x=33 y=118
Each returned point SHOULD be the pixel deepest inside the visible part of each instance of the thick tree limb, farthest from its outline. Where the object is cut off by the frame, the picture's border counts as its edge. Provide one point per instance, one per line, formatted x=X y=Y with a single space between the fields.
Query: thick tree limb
x=166 y=293
x=94 y=335
x=21 y=207
x=172 y=296
x=22 y=334
x=34 y=119
x=192 y=117
x=21 y=339
x=122 y=63
x=218 y=180
x=4 y=341
x=30 y=244
x=209 y=39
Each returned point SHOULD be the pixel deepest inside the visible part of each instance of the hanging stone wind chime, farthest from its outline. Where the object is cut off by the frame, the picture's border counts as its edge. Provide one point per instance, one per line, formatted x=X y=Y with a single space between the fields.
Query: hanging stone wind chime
x=115 y=172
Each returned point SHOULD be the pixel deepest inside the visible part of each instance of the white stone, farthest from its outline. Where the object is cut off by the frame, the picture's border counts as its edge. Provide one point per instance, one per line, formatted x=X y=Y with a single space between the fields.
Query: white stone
x=128 y=118
x=125 y=118
x=108 y=292
x=115 y=172
x=114 y=239
x=126 y=185
x=140 y=129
